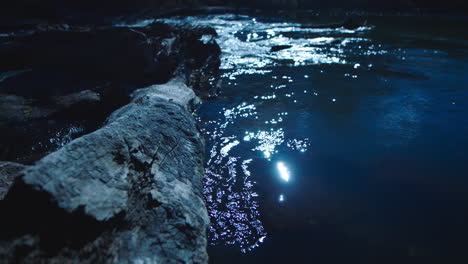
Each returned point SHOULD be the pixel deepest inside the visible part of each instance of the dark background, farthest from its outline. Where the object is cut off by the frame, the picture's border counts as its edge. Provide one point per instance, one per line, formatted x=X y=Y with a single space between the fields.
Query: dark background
x=90 y=11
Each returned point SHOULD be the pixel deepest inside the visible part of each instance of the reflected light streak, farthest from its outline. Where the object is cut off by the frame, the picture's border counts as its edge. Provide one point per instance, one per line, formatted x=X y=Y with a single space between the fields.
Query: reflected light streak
x=281 y=198
x=283 y=170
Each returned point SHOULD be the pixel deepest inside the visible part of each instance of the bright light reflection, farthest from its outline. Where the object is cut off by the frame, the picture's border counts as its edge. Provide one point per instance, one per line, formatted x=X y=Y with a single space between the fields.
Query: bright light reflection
x=246 y=43
x=281 y=198
x=283 y=170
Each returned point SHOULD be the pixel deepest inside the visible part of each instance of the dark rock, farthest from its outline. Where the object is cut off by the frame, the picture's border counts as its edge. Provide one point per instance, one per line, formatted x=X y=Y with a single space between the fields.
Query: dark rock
x=352 y=23
x=9 y=171
x=31 y=127
x=279 y=47
x=136 y=182
x=18 y=109
x=86 y=97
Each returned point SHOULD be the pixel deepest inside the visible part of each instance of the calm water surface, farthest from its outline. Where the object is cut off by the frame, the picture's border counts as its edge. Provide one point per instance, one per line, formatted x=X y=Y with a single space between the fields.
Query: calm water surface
x=348 y=146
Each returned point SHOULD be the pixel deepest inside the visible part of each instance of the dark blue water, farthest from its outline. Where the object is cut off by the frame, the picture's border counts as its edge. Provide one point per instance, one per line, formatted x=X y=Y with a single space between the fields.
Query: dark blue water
x=349 y=147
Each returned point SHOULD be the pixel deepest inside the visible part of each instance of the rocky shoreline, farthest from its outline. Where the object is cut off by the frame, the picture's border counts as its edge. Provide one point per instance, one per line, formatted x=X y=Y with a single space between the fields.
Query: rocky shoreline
x=126 y=187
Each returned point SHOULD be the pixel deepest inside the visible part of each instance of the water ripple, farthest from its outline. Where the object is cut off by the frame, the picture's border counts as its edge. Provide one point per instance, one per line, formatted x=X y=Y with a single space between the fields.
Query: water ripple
x=245 y=133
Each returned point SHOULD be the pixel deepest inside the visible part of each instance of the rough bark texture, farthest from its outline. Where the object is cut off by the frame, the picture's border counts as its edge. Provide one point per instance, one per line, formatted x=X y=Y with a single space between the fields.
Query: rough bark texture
x=137 y=182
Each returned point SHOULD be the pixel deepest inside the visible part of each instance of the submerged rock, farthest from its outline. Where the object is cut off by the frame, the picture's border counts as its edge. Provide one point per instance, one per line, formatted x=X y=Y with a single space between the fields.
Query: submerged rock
x=72 y=100
x=140 y=175
x=279 y=47
x=28 y=124
x=18 y=109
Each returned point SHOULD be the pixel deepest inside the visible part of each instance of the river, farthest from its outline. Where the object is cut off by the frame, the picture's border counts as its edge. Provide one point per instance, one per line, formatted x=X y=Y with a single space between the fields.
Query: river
x=347 y=146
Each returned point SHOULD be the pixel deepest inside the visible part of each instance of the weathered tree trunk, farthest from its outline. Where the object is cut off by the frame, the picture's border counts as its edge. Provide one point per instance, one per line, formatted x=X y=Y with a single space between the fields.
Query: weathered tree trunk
x=130 y=192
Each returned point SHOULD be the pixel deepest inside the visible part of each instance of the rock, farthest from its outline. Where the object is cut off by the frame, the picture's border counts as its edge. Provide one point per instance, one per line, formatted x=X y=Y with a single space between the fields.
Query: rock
x=29 y=126
x=136 y=182
x=352 y=23
x=85 y=97
x=9 y=171
x=19 y=109
x=279 y=47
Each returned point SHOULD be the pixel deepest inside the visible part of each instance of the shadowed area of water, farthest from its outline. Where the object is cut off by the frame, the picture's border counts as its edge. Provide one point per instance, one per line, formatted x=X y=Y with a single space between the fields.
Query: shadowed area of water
x=347 y=146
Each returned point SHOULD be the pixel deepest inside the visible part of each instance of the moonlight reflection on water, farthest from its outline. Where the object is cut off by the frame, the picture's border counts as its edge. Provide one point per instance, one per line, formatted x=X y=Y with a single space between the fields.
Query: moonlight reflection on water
x=283 y=171
x=331 y=136
x=228 y=185
x=230 y=193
